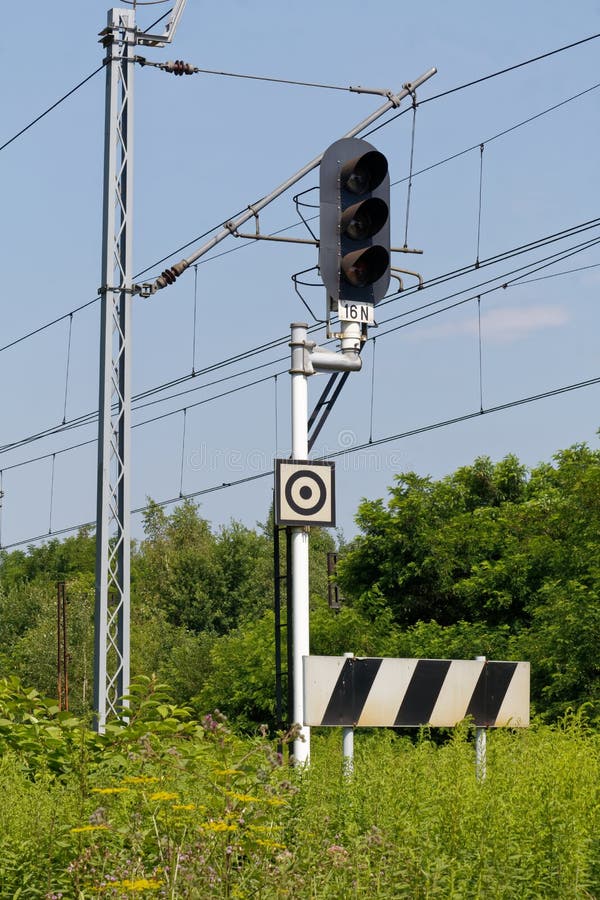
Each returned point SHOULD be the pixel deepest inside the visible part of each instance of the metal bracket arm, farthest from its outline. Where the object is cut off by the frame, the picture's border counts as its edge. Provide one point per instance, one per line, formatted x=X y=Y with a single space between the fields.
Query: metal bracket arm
x=272 y=237
x=159 y=40
x=320 y=360
x=231 y=226
x=407 y=272
x=308 y=358
x=257 y=236
x=380 y=92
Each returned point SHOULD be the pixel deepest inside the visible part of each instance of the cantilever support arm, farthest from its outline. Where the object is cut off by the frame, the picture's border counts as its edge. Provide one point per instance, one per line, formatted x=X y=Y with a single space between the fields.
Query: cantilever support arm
x=170 y=275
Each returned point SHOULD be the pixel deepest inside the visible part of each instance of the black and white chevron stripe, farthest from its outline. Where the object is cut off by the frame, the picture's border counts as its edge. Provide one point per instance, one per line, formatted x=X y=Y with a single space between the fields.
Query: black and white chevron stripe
x=411 y=692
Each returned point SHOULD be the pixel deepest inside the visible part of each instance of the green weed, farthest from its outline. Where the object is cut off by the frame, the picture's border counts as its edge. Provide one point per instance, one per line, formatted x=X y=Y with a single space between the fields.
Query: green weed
x=170 y=806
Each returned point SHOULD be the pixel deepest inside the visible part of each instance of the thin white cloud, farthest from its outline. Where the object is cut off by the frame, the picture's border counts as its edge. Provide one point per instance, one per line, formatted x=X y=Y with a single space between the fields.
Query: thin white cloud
x=511 y=324
x=502 y=325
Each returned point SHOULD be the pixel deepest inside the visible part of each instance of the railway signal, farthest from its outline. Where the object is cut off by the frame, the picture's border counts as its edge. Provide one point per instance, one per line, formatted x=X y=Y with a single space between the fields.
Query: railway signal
x=354 y=246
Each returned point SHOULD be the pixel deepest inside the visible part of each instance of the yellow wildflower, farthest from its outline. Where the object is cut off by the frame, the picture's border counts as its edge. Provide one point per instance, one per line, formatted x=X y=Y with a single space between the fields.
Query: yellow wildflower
x=111 y=790
x=228 y=772
x=84 y=828
x=217 y=826
x=271 y=845
x=137 y=884
x=274 y=801
x=243 y=798
x=164 y=795
x=186 y=806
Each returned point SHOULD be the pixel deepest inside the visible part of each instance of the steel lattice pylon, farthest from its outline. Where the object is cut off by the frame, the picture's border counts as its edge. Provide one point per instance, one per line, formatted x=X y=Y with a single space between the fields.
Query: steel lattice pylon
x=112 y=607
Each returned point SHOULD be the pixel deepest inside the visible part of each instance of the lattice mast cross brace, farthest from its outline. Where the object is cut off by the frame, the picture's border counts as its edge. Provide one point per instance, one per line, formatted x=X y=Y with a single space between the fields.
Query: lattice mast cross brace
x=112 y=600
x=112 y=605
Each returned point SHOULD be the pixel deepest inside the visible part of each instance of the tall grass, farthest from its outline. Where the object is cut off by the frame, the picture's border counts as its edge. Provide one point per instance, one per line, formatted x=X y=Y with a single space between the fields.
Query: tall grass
x=414 y=822
x=171 y=807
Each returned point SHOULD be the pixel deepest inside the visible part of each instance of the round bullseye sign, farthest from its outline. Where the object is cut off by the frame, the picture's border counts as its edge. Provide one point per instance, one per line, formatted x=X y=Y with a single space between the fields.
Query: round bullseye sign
x=304 y=493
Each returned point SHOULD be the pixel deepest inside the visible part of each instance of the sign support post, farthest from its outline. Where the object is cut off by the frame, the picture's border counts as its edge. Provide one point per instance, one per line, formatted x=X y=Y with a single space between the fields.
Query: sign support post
x=305 y=497
x=300 y=585
x=348 y=741
x=481 y=744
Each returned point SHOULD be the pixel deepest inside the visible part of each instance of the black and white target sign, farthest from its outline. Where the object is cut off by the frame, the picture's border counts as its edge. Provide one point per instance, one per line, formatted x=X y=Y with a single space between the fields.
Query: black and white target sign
x=304 y=493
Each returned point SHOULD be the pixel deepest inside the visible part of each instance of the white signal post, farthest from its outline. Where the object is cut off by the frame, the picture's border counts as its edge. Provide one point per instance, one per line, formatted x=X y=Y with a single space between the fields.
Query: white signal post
x=307 y=359
x=300 y=595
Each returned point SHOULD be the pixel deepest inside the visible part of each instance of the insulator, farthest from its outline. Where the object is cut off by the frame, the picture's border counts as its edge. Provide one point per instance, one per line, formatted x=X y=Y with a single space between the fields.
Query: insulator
x=179 y=67
x=169 y=276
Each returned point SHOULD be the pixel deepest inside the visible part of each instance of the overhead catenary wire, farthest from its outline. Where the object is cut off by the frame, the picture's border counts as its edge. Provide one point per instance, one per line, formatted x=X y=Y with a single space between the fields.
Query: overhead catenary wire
x=455 y=420
x=194 y=320
x=481 y=148
x=356 y=448
x=64 y=419
x=468 y=84
x=182 y=451
x=50 y=108
x=500 y=134
x=73 y=90
x=279 y=231
x=422 y=171
x=47 y=325
x=515 y=281
x=492 y=260
x=51 y=493
x=91 y=417
x=95 y=299
x=178 y=67
x=410 y=171
x=516 y=67
x=463 y=301
x=549 y=261
x=556 y=274
x=87 y=443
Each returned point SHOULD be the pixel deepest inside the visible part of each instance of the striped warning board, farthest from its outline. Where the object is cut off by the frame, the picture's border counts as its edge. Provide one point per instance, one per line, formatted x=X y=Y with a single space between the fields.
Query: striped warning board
x=398 y=693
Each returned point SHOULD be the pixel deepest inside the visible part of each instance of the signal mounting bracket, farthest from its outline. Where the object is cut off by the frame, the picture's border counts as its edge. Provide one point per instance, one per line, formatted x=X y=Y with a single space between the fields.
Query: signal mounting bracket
x=258 y=236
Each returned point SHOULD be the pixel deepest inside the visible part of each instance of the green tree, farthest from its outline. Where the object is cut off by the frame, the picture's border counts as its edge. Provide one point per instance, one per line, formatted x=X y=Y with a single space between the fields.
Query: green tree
x=50 y=562
x=491 y=559
x=203 y=581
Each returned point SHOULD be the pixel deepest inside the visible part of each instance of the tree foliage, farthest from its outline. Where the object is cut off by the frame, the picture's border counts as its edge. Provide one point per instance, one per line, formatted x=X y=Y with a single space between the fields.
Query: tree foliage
x=203 y=581
x=493 y=559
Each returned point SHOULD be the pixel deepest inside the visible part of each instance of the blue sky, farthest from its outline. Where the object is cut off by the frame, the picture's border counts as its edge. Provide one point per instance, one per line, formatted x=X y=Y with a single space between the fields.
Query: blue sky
x=205 y=147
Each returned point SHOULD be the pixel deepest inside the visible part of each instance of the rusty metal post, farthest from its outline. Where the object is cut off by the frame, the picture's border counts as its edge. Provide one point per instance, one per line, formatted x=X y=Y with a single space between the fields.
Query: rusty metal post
x=62 y=670
x=333 y=591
